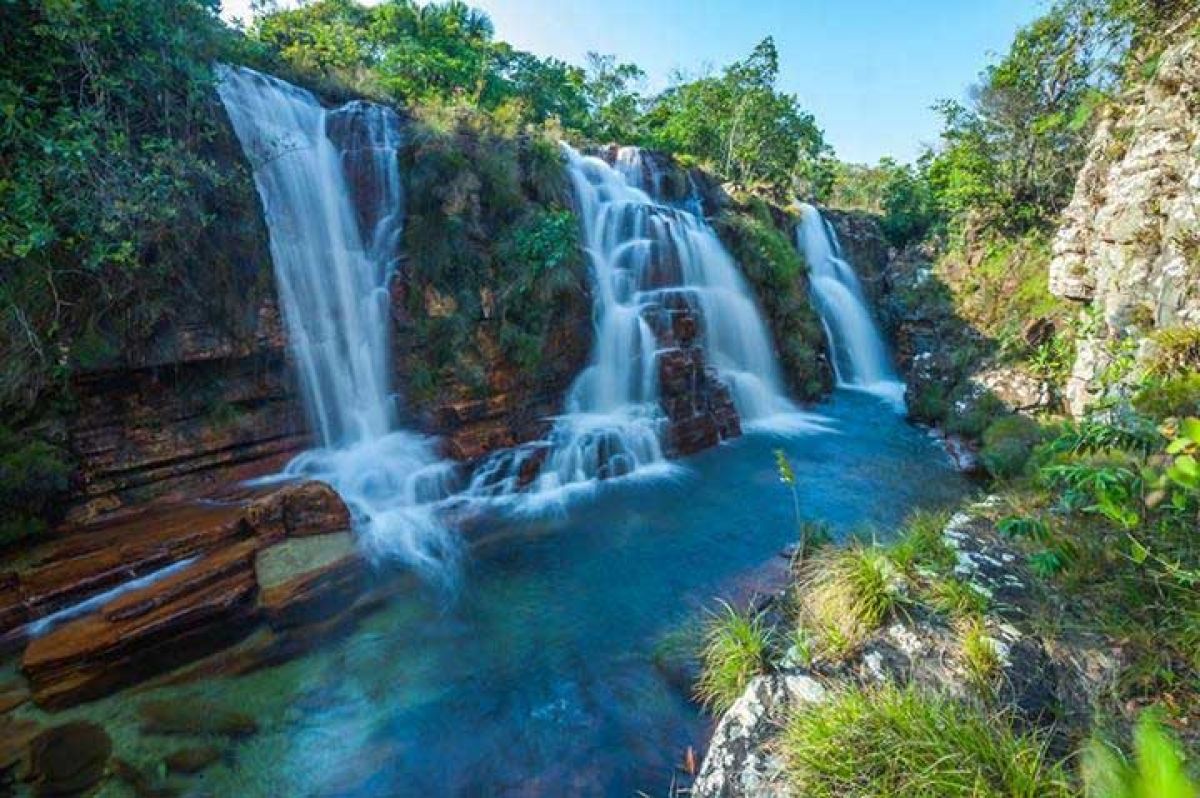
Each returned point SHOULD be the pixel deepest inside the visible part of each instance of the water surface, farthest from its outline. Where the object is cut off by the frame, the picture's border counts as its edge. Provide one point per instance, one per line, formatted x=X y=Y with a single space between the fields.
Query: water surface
x=540 y=679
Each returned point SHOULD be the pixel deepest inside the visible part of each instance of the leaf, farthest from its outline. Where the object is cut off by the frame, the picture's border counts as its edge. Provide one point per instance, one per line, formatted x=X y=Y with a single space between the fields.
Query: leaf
x=1137 y=552
x=1190 y=427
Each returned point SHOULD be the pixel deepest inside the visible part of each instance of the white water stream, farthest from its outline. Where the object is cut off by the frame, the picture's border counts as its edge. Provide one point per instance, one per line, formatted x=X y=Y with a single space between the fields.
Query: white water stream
x=860 y=357
x=329 y=180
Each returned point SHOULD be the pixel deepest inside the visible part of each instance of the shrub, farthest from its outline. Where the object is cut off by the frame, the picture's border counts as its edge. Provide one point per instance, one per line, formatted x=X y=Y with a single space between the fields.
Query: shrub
x=1008 y=444
x=980 y=658
x=1175 y=397
x=893 y=742
x=34 y=476
x=1176 y=353
x=736 y=648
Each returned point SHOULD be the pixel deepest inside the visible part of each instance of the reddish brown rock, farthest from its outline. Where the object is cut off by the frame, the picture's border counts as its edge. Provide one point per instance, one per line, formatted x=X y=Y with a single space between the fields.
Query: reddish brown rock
x=12 y=695
x=199 y=609
x=92 y=559
x=194 y=718
x=146 y=433
x=296 y=510
x=69 y=759
x=192 y=760
x=15 y=736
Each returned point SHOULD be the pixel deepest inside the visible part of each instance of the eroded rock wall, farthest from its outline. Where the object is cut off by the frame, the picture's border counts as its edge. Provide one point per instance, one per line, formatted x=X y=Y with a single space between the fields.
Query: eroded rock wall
x=1129 y=245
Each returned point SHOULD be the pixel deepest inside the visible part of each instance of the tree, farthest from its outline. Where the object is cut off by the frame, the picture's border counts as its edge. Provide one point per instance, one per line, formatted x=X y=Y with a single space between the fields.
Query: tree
x=1010 y=154
x=740 y=125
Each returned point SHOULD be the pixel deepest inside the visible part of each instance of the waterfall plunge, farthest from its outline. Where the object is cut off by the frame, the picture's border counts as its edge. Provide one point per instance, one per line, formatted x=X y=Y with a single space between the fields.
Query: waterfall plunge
x=330 y=186
x=860 y=358
x=645 y=256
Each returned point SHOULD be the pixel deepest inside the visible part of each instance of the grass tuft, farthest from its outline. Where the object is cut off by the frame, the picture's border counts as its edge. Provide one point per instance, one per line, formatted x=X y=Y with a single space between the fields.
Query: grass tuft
x=979 y=654
x=899 y=742
x=845 y=594
x=736 y=648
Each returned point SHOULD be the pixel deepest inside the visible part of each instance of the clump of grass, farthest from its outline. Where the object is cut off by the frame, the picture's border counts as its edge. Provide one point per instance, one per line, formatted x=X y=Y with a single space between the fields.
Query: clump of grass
x=979 y=654
x=845 y=594
x=957 y=598
x=736 y=648
x=921 y=545
x=891 y=742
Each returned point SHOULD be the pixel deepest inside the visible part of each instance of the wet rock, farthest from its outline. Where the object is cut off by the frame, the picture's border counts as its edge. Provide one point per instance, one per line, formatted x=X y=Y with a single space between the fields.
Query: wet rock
x=304 y=580
x=306 y=508
x=192 y=760
x=75 y=566
x=12 y=695
x=69 y=759
x=194 y=718
x=145 y=432
x=181 y=617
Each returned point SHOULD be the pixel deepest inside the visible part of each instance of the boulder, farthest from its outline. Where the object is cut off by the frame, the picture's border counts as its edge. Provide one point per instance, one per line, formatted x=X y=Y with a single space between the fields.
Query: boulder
x=296 y=510
x=741 y=762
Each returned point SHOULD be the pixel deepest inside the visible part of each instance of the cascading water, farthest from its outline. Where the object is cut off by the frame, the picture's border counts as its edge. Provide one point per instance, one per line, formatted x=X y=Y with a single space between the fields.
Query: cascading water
x=330 y=186
x=647 y=258
x=860 y=358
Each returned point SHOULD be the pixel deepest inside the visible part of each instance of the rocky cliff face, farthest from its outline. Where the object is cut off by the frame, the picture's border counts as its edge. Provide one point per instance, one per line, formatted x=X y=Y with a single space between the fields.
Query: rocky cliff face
x=209 y=410
x=1129 y=246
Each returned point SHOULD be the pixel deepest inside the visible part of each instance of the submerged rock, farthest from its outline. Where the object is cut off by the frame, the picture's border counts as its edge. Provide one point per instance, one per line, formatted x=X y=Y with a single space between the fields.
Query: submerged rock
x=309 y=579
x=194 y=718
x=192 y=760
x=69 y=759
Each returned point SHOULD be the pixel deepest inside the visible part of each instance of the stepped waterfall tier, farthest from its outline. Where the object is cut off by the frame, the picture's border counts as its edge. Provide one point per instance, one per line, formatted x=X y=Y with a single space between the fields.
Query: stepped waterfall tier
x=859 y=355
x=681 y=351
x=331 y=191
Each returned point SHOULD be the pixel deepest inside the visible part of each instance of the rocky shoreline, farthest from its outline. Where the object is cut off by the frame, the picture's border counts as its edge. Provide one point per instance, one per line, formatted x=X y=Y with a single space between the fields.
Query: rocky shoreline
x=1046 y=684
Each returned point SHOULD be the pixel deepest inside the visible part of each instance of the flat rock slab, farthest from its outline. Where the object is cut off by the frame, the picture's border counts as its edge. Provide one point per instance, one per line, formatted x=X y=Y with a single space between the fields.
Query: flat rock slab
x=190 y=613
x=307 y=579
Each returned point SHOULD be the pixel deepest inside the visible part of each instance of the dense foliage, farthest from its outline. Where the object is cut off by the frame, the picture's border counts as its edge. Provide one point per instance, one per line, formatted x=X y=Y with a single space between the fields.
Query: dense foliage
x=736 y=123
x=113 y=166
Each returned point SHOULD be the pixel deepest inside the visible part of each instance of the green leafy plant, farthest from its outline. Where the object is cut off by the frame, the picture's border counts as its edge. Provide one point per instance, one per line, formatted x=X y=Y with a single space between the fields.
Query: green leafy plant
x=1157 y=770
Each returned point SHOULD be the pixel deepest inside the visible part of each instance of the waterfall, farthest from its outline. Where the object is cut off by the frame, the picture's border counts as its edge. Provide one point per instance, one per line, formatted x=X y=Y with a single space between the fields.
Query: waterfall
x=330 y=186
x=859 y=356
x=647 y=259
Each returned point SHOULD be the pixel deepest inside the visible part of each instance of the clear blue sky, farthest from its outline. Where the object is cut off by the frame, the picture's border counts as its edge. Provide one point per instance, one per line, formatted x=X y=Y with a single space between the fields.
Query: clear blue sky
x=869 y=70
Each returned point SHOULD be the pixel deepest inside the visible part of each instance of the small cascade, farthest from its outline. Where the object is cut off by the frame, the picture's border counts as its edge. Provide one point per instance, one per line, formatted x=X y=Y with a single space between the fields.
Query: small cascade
x=859 y=356
x=330 y=185
x=681 y=359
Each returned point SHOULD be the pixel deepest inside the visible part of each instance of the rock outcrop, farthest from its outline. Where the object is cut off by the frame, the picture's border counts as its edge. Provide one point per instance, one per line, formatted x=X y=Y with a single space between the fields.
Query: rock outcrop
x=1129 y=245
x=210 y=573
x=1043 y=683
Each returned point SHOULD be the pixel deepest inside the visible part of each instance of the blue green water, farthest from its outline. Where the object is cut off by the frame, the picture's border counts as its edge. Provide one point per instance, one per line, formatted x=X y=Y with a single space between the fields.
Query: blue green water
x=540 y=677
